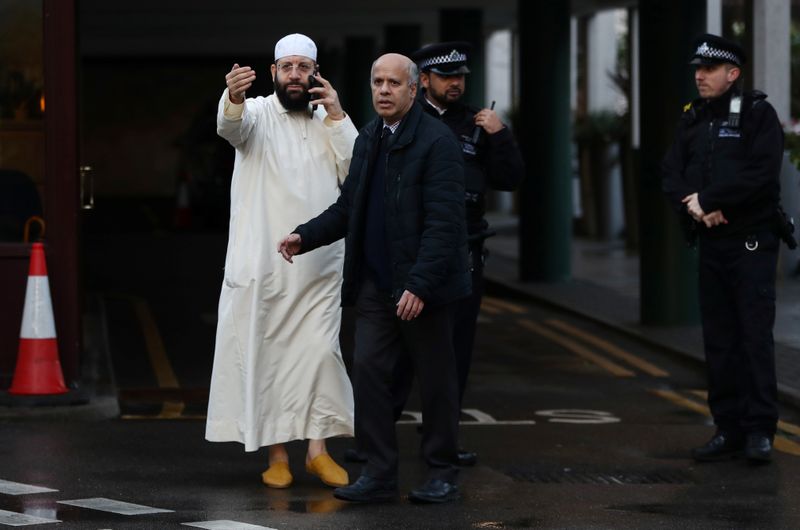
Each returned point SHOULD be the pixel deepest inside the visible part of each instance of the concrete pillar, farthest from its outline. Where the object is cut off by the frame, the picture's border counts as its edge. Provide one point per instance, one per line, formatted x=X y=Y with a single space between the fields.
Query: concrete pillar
x=668 y=269
x=714 y=17
x=499 y=59
x=601 y=48
x=545 y=232
x=770 y=64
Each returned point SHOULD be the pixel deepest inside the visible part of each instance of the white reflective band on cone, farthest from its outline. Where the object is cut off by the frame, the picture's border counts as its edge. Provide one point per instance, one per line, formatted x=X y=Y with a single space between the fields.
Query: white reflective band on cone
x=37 y=318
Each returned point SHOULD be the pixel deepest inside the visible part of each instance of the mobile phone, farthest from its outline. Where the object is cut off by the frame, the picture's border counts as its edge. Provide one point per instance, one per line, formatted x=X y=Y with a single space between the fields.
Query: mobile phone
x=312 y=82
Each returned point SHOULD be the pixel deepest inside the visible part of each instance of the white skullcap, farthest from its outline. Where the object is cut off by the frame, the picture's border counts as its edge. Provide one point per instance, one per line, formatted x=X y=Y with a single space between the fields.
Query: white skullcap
x=296 y=44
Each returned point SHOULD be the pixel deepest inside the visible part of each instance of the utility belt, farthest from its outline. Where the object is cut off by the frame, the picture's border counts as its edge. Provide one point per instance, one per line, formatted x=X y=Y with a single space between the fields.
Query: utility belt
x=781 y=225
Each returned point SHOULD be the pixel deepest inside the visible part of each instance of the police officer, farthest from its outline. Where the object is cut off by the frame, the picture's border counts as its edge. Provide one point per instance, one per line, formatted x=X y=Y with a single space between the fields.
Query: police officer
x=492 y=161
x=721 y=176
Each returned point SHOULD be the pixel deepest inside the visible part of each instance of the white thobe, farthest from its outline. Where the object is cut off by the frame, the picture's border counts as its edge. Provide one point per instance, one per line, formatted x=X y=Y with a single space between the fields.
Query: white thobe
x=278 y=373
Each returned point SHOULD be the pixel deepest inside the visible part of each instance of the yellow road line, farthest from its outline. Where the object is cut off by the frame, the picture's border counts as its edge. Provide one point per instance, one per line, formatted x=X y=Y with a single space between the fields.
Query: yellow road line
x=610 y=348
x=678 y=399
x=781 y=443
x=165 y=376
x=577 y=348
x=486 y=308
x=785 y=426
x=507 y=306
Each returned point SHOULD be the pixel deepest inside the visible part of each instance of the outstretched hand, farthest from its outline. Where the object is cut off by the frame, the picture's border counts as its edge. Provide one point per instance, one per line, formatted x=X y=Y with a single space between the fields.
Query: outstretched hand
x=239 y=79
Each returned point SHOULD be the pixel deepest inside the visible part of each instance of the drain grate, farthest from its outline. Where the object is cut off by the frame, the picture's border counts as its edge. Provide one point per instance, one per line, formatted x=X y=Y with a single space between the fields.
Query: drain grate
x=572 y=476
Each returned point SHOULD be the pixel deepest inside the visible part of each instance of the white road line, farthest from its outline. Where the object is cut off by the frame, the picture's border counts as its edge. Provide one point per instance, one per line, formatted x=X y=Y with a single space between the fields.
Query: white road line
x=21 y=519
x=479 y=416
x=110 y=505
x=496 y=423
x=227 y=525
x=15 y=488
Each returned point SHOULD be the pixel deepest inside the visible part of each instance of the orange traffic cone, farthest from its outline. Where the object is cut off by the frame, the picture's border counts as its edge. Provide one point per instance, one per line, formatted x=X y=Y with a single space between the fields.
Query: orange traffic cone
x=38 y=369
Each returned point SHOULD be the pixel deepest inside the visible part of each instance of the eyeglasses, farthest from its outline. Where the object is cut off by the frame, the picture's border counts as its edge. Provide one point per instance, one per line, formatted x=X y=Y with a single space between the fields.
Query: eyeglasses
x=303 y=68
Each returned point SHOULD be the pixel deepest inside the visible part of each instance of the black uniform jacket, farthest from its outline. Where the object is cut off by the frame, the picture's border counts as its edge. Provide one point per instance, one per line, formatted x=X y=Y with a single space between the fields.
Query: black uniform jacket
x=493 y=162
x=734 y=169
x=424 y=207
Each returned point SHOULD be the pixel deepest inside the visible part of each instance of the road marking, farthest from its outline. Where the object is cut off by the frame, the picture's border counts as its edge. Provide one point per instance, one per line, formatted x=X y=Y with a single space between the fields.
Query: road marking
x=487 y=308
x=781 y=443
x=15 y=488
x=110 y=505
x=580 y=350
x=479 y=416
x=578 y=416
x=165 y=375
x=678 y=399
x=504 y=305
x=21 y=519
x=610 y=348
x=785 y=426
x=227 y=525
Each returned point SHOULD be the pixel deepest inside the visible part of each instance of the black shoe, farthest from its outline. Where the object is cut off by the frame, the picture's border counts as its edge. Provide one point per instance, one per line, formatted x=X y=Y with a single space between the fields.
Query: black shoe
x=467 y=458
x=368 y=489
x=722 y=446
x=354 y=455
x=758 y=448
x=435 y=491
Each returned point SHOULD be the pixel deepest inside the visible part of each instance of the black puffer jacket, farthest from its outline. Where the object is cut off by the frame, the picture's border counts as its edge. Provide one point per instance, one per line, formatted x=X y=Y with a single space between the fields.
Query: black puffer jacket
x=424 y=206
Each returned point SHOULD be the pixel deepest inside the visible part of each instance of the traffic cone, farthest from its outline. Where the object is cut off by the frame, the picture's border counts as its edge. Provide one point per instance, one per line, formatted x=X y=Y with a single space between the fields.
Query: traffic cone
x=38 y=369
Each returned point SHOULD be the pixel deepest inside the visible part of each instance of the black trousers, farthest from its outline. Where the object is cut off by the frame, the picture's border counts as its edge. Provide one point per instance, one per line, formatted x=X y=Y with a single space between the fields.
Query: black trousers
x=466 y=319
x=382 y=341
x=737 y=305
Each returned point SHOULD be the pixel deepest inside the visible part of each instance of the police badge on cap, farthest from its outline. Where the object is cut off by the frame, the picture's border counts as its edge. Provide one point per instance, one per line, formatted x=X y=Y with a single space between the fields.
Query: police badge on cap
x=444 y=58
x=712 y=49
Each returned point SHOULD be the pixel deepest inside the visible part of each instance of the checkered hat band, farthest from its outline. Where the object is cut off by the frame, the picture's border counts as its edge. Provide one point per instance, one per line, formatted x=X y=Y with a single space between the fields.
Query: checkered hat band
x=443 y=59
x=716 y=53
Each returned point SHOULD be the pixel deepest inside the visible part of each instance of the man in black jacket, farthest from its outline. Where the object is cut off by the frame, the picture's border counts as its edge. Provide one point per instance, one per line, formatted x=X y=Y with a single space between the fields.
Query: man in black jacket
x=721 y=176
x=401 y=211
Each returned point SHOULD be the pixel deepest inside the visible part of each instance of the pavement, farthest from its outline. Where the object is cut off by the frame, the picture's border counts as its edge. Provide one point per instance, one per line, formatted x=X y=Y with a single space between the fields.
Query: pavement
x=604 y=288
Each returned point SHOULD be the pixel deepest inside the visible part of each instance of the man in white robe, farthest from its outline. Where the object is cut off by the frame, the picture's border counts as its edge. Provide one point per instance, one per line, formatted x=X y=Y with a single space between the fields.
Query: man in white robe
x=278 y=373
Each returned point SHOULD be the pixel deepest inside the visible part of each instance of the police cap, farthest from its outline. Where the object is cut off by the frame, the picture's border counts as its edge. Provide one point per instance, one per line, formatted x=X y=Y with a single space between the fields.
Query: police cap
x=443 y=58
x=712 y=49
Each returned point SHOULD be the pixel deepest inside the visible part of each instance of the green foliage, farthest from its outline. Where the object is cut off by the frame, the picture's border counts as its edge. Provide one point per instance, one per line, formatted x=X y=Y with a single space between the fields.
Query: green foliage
x=792 y=145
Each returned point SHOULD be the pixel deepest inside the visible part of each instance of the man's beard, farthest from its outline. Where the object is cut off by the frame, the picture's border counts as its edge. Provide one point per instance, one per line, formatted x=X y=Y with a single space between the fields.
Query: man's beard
x=294 y=102
x=442 y=99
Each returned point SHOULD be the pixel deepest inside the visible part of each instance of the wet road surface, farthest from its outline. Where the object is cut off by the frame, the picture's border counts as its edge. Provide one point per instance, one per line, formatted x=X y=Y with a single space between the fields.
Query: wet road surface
x=575 y=427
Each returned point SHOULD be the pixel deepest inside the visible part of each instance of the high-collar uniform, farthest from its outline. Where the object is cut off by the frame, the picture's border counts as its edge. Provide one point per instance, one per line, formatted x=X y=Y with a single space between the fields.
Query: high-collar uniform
x=733 y=168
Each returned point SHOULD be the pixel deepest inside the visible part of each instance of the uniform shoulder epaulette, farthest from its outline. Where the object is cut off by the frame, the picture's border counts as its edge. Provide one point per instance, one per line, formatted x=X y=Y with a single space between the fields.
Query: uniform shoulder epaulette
x=757 y=94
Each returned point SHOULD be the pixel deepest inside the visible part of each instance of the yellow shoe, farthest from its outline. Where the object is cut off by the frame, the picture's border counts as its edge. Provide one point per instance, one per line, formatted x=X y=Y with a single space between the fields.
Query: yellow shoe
x=331 y=473
x=277 y=476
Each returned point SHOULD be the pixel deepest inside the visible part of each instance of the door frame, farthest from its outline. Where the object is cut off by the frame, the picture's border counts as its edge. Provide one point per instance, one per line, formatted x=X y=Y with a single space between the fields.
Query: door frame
x=62 y=186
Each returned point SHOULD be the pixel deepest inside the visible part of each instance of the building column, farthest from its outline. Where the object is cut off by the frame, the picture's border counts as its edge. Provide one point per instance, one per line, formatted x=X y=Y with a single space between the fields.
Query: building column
x=545 y=224
x=771 y=61
x=668 y=273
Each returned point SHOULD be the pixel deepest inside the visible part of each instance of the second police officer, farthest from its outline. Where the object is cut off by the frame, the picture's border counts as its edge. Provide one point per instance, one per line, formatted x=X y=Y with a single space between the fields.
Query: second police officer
x=492 y=160
x=721 y=176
